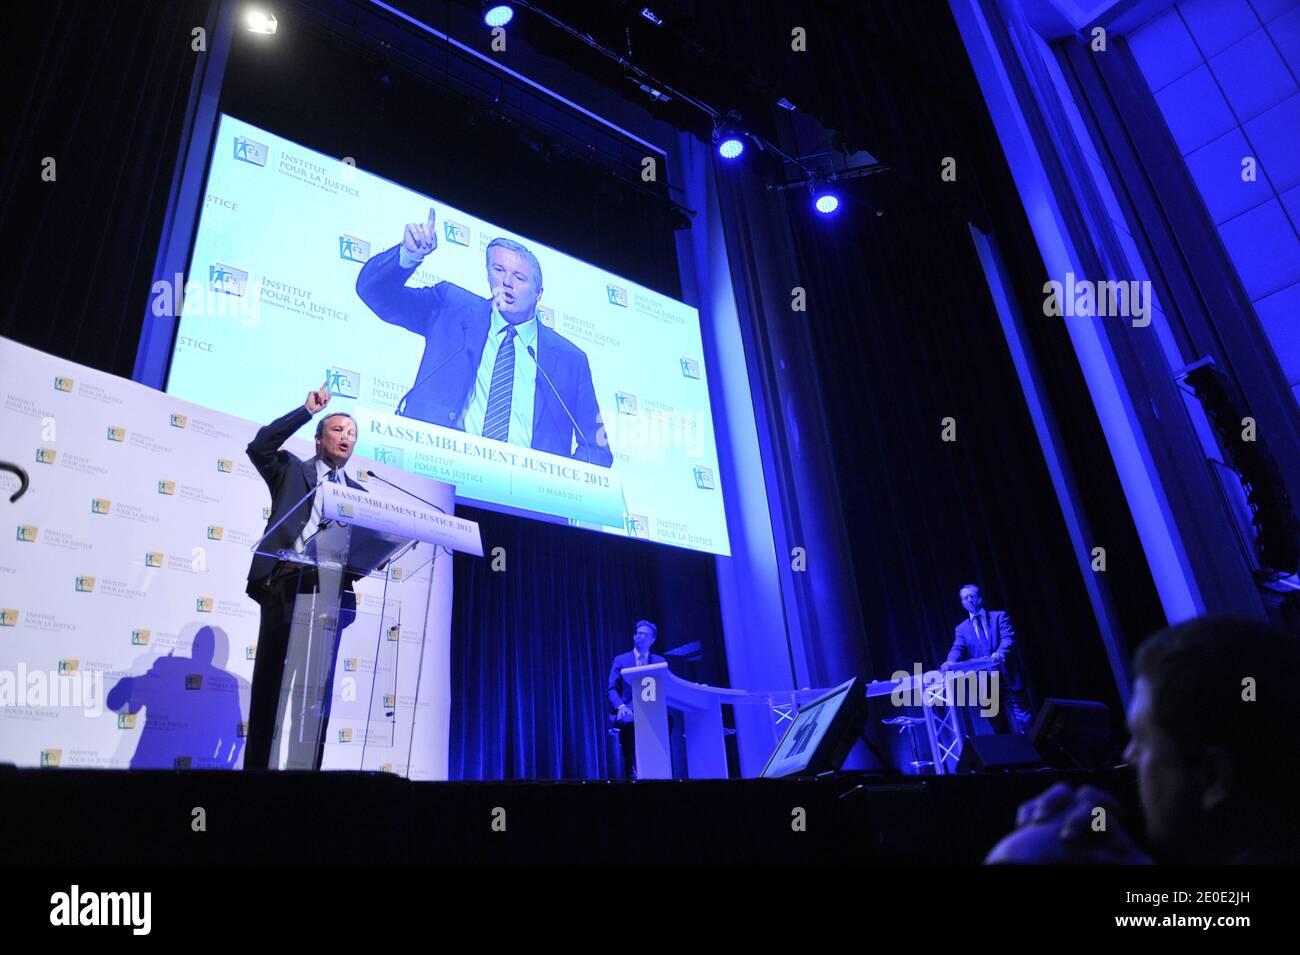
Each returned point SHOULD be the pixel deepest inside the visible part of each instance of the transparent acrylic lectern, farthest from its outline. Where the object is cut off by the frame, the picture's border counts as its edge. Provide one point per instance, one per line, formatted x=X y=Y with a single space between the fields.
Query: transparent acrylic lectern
x=332 y=560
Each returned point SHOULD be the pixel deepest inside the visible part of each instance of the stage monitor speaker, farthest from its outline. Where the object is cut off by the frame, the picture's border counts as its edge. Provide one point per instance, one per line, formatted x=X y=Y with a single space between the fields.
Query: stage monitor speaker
x=997 y=753
x=1075 y=734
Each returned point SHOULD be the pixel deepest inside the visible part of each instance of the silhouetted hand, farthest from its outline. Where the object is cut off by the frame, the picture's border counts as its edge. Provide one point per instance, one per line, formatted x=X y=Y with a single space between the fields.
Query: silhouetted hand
x=1069 y=826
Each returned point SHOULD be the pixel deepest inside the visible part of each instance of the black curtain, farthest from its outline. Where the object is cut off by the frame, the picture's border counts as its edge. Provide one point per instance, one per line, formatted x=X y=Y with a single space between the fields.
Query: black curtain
x=535 y=627
x=905 y=335
x=101 y=89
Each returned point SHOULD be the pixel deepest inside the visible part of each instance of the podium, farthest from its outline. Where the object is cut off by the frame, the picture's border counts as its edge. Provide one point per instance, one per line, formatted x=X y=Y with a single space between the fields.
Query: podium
x=656 y=690
x=378 y=534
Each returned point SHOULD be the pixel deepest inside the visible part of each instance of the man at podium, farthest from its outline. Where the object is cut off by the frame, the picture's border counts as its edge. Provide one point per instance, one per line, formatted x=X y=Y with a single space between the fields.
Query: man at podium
x=276 y=584
x=620 y=690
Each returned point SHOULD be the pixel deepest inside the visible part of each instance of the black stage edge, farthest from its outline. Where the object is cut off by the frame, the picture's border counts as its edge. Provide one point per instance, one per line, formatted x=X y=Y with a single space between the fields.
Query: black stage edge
x=87 y=817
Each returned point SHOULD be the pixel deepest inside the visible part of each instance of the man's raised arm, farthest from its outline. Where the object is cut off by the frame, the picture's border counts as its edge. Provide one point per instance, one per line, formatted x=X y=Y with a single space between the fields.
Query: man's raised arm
x=382 y=281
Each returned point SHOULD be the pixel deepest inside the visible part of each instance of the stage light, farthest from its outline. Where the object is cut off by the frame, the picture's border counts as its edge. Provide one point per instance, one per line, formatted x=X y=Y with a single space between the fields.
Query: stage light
x=825 y=200
x=785 y=104
x=497 y=14
x=728 y=136
x=259 y=21
x=650 y=15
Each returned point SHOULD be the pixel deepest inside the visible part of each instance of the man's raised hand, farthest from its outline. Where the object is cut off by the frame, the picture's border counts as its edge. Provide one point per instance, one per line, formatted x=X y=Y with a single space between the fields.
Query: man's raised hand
x=316 y=400
x=421 y=238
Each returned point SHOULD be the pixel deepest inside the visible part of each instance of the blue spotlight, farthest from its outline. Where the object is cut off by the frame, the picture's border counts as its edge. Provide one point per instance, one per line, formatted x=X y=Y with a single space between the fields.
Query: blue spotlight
x=826 y=203
x=498 y=15
x=731 y=147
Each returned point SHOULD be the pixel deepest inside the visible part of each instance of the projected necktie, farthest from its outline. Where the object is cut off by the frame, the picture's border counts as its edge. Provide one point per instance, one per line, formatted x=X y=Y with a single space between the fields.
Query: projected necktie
x=496 y=421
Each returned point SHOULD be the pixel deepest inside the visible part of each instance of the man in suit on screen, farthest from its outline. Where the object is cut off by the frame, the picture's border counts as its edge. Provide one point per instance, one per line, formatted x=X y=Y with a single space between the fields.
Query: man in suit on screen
x=489 y=367
x=276 y=584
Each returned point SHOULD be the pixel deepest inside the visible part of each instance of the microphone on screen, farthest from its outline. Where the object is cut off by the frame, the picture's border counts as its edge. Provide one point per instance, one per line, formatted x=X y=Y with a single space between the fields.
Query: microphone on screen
x=401 y=405
x=555 y=391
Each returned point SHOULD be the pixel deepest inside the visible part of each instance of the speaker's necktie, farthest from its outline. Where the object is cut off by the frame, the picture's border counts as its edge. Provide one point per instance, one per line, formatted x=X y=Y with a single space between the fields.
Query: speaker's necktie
x=334 y=475
x=496 y=420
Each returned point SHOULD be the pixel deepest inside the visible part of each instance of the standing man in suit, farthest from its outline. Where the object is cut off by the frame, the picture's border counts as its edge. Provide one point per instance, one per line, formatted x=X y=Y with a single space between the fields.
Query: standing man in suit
x=276 y=584
x=490 y=367
x=988 y=633
x=620 y=690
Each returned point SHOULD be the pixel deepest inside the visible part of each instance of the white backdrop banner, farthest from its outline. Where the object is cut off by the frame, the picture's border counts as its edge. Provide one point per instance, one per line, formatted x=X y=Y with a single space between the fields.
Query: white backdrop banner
x=126 y=637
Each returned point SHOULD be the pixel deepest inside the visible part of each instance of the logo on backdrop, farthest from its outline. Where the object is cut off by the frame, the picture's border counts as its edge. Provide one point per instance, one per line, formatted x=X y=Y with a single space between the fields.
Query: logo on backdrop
x=215 y=533
x=27 y=533
x=617 y=295
x=116 y=434
x=100 y=506
x=387 y=455
x=8 y=616
x=225 y=465
x=638 y=526
x=46 y=455
x=85 y=585
x=251 y=151
x=203 y=604
x=179 y=420
x=353 y=249
x=227 y=280
x=546 y=316
x=626 y=402
x=62 y=384
x=690 y=368
x=455 y=232
x=67 y=666
x=345 y=510
x=703 y=478
x=166 y=487
x=343 y=382
x=140 y=638
x=51 y=757
x=126 y=721
x=153 y=558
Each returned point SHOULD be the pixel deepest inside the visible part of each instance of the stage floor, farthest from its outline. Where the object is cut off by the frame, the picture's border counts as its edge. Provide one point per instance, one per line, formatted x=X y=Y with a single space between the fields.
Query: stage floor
x=69 y=816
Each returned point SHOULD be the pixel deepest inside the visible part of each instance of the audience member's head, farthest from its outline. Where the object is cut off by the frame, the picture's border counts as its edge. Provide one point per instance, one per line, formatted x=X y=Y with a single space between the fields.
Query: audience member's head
x=1215 y=723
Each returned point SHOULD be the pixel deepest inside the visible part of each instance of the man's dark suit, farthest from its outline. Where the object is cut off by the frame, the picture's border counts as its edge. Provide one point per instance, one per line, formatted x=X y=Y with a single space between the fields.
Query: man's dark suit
x=999 y=638
x=276 y=586
x=620 y=692
x=455 y=323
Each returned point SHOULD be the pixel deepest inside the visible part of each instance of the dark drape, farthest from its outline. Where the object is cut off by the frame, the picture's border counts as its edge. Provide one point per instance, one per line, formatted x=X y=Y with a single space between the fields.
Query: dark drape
x=905 y=335
x=533 y=640
x=101 y=89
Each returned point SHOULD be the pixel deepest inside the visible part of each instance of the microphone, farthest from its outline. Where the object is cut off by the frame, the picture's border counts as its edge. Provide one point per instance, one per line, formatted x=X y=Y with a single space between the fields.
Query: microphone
x=555 y=391
x=401 y=405
x=404 y=491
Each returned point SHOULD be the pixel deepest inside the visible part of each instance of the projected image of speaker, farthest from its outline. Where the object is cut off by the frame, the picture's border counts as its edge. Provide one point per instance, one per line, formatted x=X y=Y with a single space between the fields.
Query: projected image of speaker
x=821 y=735
x=1075 y=734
